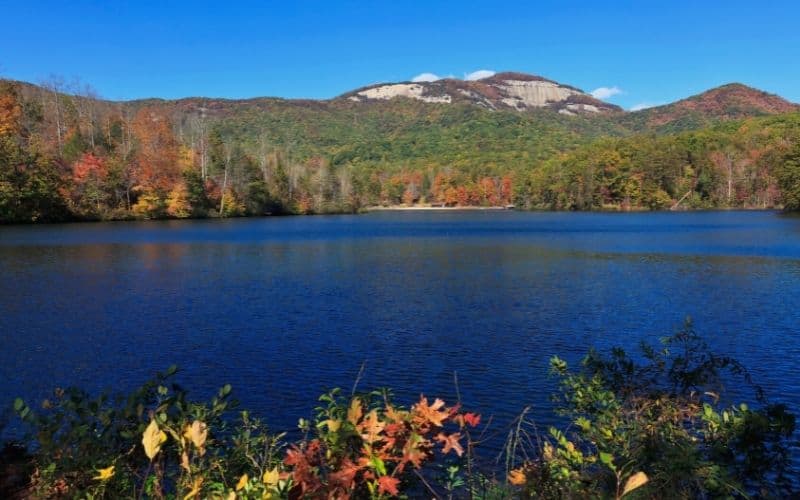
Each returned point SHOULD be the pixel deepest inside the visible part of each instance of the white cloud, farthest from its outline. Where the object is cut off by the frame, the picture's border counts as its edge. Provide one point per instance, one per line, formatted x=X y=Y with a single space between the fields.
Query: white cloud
x=642 y=105
x=433 y=77
x=605 y=92
x=426 y=77
x=479 y=75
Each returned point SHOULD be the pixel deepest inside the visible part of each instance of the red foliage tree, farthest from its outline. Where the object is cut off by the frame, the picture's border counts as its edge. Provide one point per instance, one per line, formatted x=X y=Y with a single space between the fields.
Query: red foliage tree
x=506 y=190
x=89 y=168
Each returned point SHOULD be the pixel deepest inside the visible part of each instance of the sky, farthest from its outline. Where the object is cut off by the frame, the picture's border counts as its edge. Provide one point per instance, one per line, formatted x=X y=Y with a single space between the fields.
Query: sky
x=634 y=54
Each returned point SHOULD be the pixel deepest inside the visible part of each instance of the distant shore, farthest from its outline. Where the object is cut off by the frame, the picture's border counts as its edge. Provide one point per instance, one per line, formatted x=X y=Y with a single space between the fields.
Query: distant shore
x=379 y=208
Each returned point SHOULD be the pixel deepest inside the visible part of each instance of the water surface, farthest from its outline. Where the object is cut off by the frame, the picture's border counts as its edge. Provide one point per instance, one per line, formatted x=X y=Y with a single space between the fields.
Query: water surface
x=285 y=308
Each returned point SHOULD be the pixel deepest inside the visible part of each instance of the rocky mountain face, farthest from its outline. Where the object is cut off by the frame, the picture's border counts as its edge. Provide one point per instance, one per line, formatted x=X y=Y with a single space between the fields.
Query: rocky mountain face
x=509 y=91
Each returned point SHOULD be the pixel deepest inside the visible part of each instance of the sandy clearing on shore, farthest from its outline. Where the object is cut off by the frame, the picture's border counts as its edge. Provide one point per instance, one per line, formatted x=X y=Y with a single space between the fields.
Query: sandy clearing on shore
x=422 y=207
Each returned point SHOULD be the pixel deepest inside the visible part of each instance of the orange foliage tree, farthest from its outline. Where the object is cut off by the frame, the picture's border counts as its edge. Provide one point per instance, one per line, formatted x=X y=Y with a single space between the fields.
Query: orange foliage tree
x=10 y=111
x=488 y=192
x=157 y=154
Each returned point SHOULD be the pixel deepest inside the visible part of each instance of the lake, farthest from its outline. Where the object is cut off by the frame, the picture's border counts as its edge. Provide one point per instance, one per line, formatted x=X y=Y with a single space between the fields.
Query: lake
x=285 y=308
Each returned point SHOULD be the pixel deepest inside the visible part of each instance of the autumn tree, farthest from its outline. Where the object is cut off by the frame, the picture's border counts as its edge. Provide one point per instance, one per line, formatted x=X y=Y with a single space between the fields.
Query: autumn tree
x=506 y=190
x=157 y=151
x=89 y=174
x=10 y=110
x=29 y=180
x=178 y=202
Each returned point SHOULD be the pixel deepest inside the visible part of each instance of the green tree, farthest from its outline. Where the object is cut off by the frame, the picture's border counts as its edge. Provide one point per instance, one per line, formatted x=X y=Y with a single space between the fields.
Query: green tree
x=788 y=175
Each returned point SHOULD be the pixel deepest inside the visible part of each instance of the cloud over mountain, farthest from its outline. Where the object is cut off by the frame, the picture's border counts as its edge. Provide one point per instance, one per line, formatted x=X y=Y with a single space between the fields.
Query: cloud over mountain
x=479 y=75
x=426 y=77
x=605 y=92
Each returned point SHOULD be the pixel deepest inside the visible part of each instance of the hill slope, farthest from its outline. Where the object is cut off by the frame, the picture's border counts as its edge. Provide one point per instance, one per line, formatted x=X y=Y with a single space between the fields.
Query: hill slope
x=727 y=102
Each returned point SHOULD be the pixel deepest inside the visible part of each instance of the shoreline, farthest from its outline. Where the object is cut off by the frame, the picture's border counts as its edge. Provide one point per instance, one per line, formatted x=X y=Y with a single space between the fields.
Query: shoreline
x=391 y=208
x=394 y=208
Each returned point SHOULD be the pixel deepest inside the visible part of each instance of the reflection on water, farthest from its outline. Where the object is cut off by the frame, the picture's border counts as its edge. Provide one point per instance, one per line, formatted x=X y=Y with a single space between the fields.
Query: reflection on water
x=284 y=308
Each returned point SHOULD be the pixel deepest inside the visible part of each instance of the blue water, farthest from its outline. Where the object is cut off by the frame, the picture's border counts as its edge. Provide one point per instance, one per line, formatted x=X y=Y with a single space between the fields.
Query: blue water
x=285 y=308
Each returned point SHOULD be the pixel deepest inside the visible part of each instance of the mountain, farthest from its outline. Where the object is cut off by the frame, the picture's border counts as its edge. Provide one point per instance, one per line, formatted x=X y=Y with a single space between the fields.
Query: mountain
x=508 y=139
x=727 y=102
x=503 y=91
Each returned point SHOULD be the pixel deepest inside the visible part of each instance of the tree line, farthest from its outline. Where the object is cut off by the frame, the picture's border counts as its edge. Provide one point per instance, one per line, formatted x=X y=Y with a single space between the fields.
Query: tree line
x=72 y=156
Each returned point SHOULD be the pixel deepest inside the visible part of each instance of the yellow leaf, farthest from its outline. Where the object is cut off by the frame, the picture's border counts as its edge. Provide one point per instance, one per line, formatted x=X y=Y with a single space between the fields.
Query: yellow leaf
x=105 y=474
x=197 y=434
x=355 y=412
x=517 y=477
x=271 y=477
x=242 y=482
x=185 y=462
x=548 y=452
x=333 y=425
x=152 y=439
x=198 y=483
x=635 y=481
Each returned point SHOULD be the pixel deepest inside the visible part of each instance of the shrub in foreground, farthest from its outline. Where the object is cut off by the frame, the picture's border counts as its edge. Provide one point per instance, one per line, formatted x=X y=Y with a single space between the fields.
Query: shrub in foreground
x=651 y=427
x=660 y=425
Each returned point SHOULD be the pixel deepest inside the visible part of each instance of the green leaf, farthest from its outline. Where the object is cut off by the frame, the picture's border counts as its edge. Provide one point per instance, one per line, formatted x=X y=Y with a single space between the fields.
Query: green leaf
x=608 y=460
x=583 y=423
x=18 y=404
x=378 y=465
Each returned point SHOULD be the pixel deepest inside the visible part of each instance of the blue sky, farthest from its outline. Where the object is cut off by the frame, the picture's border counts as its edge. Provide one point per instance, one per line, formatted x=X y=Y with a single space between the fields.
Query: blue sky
x=652 y=52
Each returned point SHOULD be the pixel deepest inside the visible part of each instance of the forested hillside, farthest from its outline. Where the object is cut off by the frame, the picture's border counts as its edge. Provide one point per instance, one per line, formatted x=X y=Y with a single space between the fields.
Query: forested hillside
x=66 y=154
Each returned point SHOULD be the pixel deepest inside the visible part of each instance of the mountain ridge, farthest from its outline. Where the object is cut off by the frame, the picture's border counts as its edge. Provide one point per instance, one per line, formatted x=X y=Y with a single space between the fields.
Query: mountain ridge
x=521 y=92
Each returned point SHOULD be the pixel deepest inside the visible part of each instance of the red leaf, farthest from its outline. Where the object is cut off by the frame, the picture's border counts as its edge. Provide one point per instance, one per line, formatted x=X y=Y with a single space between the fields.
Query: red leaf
x=472 y=419
x=388 y=484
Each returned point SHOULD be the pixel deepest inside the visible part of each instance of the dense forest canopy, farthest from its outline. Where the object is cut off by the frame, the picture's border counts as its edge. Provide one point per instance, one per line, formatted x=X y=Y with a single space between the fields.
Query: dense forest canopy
x=65 y=154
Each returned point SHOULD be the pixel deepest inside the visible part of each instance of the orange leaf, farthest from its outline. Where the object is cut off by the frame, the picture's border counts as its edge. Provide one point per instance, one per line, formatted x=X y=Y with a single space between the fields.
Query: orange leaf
x=371 y=427
x=517 y=477
x=450 y=442
x=388 y=484
x=394 y=415
x=430 y=414
x=415 y=450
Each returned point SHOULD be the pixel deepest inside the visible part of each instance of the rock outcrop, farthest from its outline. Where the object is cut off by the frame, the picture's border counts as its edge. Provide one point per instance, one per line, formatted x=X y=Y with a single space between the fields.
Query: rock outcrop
x=516 y=91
